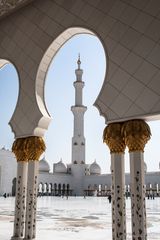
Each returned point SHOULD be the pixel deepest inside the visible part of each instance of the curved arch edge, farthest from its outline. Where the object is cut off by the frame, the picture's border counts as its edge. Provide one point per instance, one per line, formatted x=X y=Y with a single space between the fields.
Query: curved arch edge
x=47 y=59
x=34 y=130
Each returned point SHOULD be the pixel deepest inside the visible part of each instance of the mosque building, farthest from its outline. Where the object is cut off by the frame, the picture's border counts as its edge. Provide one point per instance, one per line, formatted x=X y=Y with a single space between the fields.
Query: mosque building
x=76 y=178
x=32 y=32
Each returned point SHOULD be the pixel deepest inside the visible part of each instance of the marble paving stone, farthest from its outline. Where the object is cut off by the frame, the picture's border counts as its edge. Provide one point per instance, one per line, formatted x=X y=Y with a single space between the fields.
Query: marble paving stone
x=77 y=218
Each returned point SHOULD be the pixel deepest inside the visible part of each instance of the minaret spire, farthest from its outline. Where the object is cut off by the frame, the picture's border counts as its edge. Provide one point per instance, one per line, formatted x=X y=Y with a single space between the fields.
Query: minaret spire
x=79 y=61
x=78 y=140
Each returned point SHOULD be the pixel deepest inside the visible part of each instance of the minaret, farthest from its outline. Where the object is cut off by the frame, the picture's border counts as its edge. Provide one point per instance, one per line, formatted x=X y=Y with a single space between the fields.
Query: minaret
x=78 y=139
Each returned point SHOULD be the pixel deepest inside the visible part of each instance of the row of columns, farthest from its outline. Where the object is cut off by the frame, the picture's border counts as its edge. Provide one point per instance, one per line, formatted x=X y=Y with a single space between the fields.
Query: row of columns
x=134 y=134
x=27 y=152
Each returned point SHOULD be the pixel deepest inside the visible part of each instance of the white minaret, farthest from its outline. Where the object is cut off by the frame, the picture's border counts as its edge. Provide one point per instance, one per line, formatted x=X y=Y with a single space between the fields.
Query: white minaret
x=78 y=139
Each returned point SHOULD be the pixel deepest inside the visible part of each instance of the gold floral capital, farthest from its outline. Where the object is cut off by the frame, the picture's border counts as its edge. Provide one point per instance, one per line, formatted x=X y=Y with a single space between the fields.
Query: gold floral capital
x=113 y=137
x=36 y=146
x=29 y=148
x=19 y=148
x=136 y=134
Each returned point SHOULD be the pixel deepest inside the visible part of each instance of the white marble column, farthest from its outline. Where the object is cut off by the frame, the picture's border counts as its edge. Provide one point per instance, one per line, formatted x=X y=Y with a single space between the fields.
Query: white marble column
x=138 y=207
x=137 y=133
x=36 y=147
x=32 y=187
x=118 y=196
x=114 y=139
x=20 y=200
x=21 y=187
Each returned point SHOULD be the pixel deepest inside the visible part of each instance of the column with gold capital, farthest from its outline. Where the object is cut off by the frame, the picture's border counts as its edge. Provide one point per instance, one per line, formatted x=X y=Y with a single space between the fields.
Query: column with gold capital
x=19 y=149
x=136 y=134
x=113 y=138
x=36 y=147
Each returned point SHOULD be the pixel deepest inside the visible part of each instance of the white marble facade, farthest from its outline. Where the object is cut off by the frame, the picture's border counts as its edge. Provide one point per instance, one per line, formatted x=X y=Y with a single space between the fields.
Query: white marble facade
x=93 y=181
x=8 y=170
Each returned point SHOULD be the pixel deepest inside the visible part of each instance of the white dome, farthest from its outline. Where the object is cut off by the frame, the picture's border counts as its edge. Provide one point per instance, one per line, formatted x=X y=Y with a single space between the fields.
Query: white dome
x=43 y=165
x=60 y=167
x=95 y=168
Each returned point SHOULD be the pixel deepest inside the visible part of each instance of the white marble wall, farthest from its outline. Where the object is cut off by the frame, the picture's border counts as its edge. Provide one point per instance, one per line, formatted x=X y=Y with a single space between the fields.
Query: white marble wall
x=8 y=165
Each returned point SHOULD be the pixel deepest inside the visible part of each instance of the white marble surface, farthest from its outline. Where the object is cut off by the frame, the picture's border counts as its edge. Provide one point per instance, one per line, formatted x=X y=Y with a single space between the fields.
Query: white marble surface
x=76 y=218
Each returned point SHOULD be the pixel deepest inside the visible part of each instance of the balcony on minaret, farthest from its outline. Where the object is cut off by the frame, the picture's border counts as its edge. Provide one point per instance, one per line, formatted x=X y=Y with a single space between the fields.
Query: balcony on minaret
x=78 y=73
x=79 y=84
x=78 y=110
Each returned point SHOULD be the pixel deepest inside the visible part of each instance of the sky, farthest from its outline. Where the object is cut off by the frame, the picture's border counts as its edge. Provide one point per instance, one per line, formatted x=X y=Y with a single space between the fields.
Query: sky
x=60 y=96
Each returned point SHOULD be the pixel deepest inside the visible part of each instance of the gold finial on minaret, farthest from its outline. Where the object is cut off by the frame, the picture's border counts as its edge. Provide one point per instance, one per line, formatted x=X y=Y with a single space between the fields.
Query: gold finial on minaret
x=79 y=61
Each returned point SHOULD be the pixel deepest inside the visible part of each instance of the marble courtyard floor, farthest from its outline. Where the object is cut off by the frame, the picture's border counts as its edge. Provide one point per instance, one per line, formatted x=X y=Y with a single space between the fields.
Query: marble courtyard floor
x=76 y=218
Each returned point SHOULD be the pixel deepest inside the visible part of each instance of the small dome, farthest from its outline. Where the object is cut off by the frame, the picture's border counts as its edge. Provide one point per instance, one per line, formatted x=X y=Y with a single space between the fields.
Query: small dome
x=43 y=165
x=3 y=148
x=95 y=168
x=60 y=167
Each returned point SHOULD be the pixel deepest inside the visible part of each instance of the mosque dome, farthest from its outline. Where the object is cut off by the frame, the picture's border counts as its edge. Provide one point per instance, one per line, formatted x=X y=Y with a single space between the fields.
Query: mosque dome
x=95 y=169
x=3 y=148
x=60 y=167
x=43 y=165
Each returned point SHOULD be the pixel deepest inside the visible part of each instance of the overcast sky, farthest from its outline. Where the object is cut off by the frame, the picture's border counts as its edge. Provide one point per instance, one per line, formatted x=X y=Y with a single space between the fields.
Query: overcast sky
x=60 y=96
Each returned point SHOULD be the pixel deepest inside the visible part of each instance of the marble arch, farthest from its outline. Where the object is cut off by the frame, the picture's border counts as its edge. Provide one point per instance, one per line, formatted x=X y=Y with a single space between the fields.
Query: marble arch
x=132 y=48
x=48 y=57
x=129 y=96
x=40 y=124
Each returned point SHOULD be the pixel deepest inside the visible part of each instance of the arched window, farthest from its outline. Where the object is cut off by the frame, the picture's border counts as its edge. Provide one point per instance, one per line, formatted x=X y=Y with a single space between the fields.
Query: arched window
x=59 y=189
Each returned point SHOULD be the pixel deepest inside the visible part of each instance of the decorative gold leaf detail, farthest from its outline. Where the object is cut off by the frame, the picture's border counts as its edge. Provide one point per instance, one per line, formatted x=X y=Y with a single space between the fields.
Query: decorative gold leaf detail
x=20 y=150
x=136 y=134
x=29 y=148
x=36 y=146
x=113 y=137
